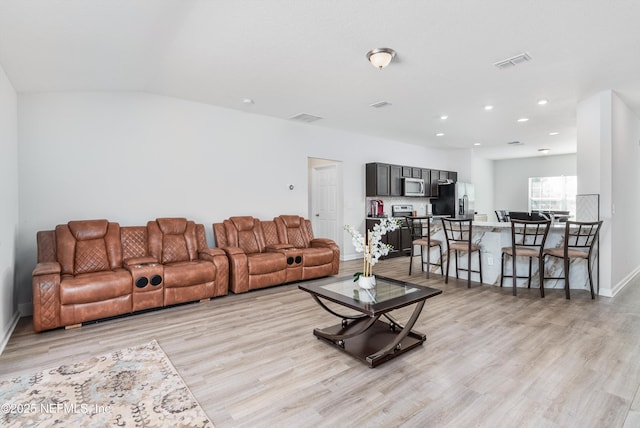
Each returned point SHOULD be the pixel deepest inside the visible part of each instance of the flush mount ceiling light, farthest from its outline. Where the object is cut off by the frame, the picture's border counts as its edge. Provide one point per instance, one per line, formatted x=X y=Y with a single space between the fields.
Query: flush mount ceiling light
x=554 y=133
x=380 y=57
x=523 y=119
x=542 y=102
x=543 y=151
x=444 y=117
x=440 y=134
x=488 y=107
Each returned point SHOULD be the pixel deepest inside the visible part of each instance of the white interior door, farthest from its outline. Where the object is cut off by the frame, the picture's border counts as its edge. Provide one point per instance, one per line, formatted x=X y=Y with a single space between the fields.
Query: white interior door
x=324 y=201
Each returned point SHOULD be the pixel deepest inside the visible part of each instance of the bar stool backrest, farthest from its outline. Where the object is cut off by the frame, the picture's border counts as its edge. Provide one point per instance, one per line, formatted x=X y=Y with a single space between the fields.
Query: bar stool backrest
x=581 y=236
x=529 y=234
x=458 y=231
x=419 y=227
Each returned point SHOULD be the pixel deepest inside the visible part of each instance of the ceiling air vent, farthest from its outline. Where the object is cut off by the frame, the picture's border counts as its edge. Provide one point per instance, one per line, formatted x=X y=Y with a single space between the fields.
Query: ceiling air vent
x=515 y=143
x=304 y=117
x=513 y=61
x=380 y=104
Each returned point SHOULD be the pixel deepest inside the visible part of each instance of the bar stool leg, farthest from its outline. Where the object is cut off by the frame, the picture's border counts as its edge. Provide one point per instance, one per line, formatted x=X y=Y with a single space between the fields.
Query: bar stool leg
x=469 y=269
x=593 y=296
x=455 y=252
x=446 y=276
x=514 y=276
x=480 y=265
x=566 y=277
x=529 y=281
x=541 y=273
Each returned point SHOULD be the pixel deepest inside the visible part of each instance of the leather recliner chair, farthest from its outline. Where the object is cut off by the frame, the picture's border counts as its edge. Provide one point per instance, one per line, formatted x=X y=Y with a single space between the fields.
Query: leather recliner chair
x=252 y=262
x=320 y=256
x=191 y=270
x=85 y=280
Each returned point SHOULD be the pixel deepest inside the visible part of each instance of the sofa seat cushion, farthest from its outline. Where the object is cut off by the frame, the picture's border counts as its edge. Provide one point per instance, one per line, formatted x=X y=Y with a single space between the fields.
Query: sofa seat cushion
x=95 y=287
x=185 y=274
x=263 y=263
x=317 y=256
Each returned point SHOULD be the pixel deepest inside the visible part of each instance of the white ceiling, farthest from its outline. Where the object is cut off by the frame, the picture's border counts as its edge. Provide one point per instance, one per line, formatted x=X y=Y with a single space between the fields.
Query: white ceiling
x=308 y=56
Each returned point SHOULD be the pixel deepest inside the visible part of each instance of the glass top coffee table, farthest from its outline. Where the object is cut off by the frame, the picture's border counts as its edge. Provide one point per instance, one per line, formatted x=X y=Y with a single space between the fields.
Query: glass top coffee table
x=364 y=335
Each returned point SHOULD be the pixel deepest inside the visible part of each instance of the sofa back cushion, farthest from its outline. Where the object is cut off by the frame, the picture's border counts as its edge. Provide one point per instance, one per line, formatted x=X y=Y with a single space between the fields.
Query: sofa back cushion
x=245 y=232
x=134 y=242
x=172 y=240
x=88 y=246
x=292 y=230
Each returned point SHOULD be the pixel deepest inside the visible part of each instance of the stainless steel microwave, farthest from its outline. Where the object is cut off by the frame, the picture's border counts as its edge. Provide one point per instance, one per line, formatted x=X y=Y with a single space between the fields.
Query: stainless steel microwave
x=412 y=187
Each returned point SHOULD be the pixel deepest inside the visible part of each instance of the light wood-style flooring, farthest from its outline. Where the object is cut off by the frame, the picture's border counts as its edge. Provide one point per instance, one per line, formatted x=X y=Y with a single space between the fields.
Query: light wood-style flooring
x=490 y=359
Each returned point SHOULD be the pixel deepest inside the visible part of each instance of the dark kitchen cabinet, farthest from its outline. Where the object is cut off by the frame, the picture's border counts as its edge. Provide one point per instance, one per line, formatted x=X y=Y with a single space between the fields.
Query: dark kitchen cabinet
x=383 y=179
x=395 y=180
x=411 y=172
x=377 y=179
x=426 y=176
x=435 y=177
x=399 y=239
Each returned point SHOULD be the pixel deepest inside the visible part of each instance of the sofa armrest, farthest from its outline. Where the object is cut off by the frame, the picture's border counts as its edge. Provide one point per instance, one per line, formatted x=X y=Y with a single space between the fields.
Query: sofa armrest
x=238 y=269
x=210 y=253
x=322 y=242
x=278 y=248
x=45 y=284
x=219 y=259
x=328 y=243
x=47 y=268
x=139 y=261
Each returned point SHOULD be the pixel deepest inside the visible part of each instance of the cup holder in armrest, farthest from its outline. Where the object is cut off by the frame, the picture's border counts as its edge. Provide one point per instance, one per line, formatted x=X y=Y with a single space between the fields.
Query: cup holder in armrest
x=156 y=280
x=142 y=282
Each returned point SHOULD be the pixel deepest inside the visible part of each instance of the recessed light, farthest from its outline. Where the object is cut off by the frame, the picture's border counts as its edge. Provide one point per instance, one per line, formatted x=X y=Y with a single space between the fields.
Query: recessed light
x=247 y=101
x=488 y=107
x=554 y=133
x=444 y=117
x=477 y=144
x=440 y=134
x=543 y=151
x=542 y=102
x=523 y=119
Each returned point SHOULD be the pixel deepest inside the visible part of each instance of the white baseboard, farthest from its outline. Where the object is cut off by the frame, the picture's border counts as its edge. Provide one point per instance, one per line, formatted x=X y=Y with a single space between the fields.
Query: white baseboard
x=7 y=334
x=621 y=284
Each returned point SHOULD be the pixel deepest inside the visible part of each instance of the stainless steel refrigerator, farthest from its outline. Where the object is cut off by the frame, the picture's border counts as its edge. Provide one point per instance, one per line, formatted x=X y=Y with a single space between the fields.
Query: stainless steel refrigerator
x=455 y=200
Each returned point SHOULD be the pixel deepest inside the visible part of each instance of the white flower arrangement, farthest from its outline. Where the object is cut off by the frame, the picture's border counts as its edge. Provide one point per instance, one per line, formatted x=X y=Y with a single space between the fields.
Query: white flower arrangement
x=373 y=248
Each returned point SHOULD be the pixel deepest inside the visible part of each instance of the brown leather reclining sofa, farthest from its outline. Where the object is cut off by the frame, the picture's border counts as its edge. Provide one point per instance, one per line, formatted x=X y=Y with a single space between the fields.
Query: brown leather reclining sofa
x=93 y=269
x=265 y=253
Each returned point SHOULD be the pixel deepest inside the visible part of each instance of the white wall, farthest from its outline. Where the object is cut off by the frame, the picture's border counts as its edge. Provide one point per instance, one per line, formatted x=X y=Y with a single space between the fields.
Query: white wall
x=483 y=180
x=625 y=191
x=8 y=206
x=608 y=163
x=133 y=157
x=511 y=178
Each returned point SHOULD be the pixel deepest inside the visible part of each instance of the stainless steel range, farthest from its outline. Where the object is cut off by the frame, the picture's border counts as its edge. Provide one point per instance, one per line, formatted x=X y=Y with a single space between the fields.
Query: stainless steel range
x=401 y=210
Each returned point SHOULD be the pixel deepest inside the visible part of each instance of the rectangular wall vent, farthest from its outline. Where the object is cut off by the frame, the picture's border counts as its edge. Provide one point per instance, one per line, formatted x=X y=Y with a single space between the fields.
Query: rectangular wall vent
x=513 y=61
x=305 y=117
x=380 y=104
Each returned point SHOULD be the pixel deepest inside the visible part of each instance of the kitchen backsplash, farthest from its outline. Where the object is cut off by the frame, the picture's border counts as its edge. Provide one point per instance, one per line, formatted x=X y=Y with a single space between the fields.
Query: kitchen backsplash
x=419 y=204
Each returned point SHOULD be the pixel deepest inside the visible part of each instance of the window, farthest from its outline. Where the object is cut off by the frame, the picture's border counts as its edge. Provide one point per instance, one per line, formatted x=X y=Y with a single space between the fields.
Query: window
x=553 y=193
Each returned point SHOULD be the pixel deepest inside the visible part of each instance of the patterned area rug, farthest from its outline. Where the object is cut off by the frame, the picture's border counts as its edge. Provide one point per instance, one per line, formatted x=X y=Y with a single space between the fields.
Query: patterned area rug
x=133 y=387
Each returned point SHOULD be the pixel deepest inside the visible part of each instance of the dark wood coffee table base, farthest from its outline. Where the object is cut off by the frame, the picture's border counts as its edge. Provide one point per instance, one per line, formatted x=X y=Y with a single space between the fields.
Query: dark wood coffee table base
x=367 y=344
x=371 y=335
x=371 y=340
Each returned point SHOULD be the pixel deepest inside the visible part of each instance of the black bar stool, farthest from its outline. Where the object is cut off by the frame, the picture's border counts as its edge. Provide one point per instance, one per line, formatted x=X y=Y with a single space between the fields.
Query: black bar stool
x=459 y=234
x=420 y=229
x=527 y=240
x=580 y=238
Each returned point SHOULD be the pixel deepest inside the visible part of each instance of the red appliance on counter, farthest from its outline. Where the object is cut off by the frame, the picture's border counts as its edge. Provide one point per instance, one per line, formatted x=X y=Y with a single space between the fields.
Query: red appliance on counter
x=376 y=208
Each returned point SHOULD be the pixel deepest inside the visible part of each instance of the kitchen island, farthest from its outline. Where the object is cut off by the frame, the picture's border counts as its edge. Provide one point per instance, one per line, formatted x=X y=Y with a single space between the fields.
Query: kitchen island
x=493 y=236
